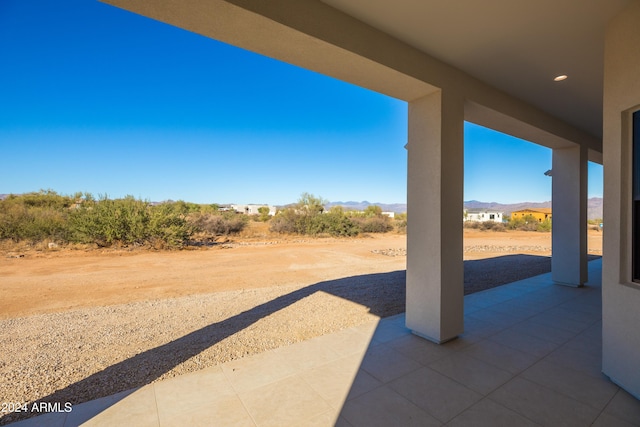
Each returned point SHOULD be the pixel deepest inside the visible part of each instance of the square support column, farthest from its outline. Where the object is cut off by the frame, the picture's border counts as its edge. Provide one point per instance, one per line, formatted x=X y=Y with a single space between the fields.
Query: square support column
x=569 y=204
x=435 y=270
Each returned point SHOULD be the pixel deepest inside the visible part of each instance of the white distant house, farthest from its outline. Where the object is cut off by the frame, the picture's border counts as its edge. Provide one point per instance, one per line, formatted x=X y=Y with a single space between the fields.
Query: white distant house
x=482 y=215
x=253 y=209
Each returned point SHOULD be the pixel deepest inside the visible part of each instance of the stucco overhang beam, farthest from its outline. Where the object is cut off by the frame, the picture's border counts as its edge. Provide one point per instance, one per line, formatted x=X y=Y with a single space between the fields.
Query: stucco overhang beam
x=511 y=125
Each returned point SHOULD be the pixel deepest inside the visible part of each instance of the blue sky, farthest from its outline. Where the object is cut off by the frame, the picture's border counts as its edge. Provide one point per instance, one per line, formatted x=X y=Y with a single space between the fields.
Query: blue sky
x=99 y=100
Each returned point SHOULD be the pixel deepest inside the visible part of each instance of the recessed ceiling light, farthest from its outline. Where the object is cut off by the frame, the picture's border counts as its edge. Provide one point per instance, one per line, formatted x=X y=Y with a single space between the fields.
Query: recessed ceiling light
x=559 y=78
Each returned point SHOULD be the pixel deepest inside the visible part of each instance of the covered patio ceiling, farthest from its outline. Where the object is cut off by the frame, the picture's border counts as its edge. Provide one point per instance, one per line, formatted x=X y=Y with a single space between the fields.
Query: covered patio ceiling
x=515 y=46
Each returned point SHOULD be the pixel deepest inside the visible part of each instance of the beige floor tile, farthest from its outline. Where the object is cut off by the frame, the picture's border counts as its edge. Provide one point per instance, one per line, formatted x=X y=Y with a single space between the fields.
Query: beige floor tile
x=136 y=409
x=387 y=331
x=482 y=328
x=624 y=406
x=526 y=343
x=472 y=373
x=256 y=371
x=560 y=322
x=386 y=364
x=440 y=396
x=585 y=344
x=88 y=410
x=419 y=349
x=287 y=402
x=596 y=392
x=543 y=405
x=384 y=407
x=368 y=328
x=185 y=393
x=363 y=383
x=545 y=332
x=349 y=341
x=307 y=354
x=334 y=380
x=490 y=315
x=500 y=356
x=342 y=422
x=582 y=361
x=606 y=420
x=463 y=341
x=487 y=413
x=565 y=311
x=326 y=419
x=227 y=411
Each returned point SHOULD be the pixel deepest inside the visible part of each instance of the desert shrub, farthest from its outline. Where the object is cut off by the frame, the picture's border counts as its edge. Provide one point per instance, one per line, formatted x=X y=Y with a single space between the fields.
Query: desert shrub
x=307 y=217
x=371 y=220
x=544 y=225
x=333 y=223
x=167 y=227
x=529 y=223
x=298 y=219
x=48 y=216
x=376 y=224
x=493 y=226
x=35 y=217
x=471 y=224
x=46 y=199
x=485 y=225
x=107 y=221
x=129 y=221
x=400 y=222
x=218 y=224
x=286 y=221
x=264 y=214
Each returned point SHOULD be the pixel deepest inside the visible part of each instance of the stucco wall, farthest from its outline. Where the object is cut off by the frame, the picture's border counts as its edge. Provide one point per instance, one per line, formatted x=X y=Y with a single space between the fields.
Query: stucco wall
x=621 y=298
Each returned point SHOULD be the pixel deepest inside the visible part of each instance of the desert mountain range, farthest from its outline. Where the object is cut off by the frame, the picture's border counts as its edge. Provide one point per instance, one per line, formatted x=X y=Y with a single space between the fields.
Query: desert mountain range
x=594 y=206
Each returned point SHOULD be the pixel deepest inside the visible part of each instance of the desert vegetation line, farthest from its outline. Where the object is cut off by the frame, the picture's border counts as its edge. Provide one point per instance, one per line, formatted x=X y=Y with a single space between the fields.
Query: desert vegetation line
x=47 y=216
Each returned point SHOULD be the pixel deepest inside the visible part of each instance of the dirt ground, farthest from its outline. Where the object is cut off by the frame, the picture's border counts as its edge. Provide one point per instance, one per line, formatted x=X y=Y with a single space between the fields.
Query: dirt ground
x=53 y=280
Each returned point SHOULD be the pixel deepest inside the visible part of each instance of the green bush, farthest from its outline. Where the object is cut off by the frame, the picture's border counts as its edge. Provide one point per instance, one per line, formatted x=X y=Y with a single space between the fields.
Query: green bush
x=333 y=223
x=106 y=221
x=287 y=221
x=544 y=225
x=264 y=214
x=46 y=215
x=308 y=217
x=35 y=217
x=167 y=227
x=529 y=223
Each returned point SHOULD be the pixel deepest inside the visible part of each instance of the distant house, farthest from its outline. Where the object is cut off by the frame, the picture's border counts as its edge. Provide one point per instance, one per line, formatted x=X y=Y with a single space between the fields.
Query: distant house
x=540 y=214
x=482 y=215
x=252 y=209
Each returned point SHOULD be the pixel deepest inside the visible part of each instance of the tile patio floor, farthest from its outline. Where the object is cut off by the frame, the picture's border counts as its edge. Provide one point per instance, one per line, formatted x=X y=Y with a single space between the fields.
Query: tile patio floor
x=531 y=355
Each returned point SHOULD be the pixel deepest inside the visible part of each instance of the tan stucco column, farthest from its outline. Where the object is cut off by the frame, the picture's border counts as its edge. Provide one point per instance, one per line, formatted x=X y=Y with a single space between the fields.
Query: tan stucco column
x=569 y=204
x=435 y=275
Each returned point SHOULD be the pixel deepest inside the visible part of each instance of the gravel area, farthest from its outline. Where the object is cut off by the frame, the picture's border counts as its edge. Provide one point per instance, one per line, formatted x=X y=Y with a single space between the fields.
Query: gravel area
x=84 y=354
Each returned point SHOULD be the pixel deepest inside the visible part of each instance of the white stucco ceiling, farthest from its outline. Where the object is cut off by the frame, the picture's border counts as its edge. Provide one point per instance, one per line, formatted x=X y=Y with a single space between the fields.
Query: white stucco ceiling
x=517 y=46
